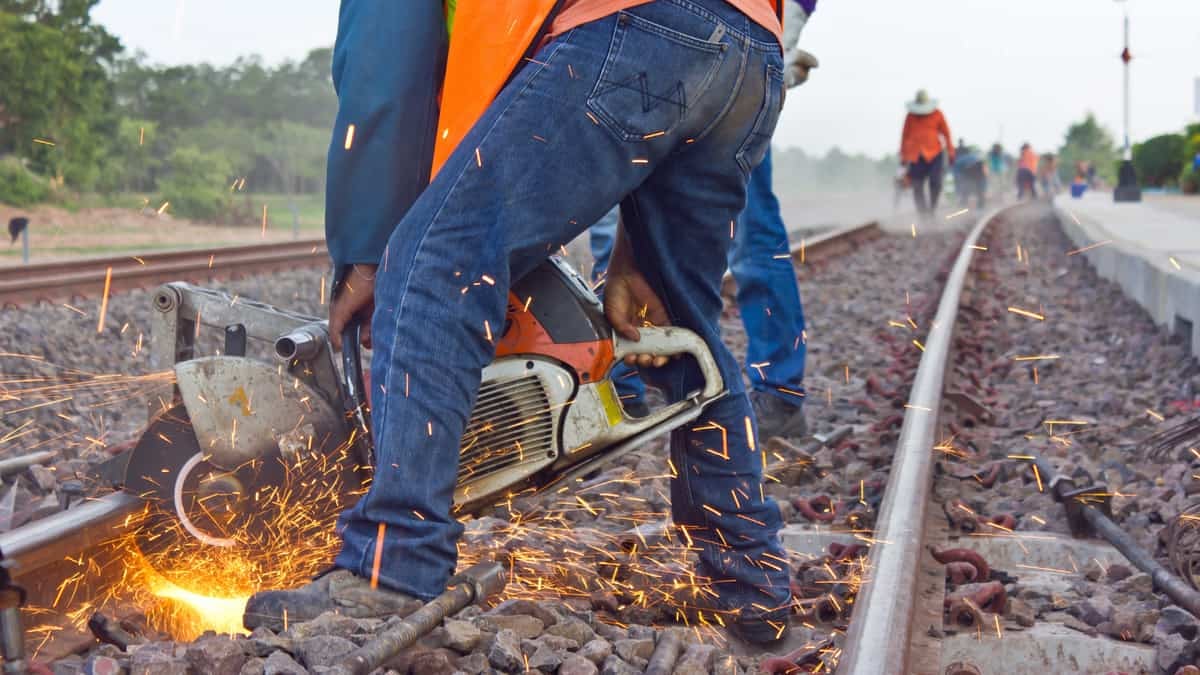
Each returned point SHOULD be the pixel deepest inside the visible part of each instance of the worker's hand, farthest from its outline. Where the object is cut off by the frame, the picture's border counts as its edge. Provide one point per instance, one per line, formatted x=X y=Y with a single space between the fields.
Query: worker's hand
x=353 y=299
x=630 y=302
x=798 y=69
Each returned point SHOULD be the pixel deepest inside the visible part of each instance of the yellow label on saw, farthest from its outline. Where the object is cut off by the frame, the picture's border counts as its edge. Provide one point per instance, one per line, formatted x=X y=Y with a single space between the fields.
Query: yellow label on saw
x=609 y=401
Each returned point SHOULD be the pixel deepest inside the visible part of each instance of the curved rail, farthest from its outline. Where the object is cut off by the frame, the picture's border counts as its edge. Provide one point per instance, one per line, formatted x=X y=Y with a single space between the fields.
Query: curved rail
x=65 y=279
x=879 y=638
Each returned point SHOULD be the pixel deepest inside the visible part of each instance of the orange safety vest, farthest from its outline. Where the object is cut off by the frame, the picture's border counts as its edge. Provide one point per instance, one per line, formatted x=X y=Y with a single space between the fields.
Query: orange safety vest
x=490 y=39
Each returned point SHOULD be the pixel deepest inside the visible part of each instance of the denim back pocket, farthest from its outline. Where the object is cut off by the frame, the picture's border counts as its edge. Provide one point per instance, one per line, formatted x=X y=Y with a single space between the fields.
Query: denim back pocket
x=754 y=148
x=651 y=76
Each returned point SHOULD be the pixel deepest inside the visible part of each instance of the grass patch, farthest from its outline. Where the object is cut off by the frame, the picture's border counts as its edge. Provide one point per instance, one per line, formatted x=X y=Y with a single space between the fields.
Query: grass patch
x=310 y=209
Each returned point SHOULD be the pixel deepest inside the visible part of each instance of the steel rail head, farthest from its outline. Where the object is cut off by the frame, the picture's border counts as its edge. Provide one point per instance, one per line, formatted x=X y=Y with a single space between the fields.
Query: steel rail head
x=879 y=636
x=67 y=533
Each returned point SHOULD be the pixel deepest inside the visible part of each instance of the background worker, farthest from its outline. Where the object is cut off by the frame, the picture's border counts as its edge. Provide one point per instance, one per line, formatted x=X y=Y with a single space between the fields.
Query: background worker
x=1047 y=173
x=761 y=264
x=1027 y=167
x=923 y=144
x=998 y=167
x=495 y=208
x=970 y=175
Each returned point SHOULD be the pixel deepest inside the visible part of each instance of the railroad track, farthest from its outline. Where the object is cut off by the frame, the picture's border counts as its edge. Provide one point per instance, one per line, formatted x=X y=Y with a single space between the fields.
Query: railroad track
x=89 y=277
x=899 y=622
x=935 y=594
x=41 y=555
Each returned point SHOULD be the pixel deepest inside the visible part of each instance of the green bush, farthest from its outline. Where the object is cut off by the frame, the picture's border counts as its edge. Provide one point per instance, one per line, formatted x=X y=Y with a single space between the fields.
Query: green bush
x=1159 y=160
x=1189 y=181
x=197 y=186
x=20 y=187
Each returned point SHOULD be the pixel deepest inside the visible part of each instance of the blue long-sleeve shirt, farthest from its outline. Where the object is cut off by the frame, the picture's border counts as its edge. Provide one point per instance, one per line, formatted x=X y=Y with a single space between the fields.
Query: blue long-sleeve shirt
x=388 y=65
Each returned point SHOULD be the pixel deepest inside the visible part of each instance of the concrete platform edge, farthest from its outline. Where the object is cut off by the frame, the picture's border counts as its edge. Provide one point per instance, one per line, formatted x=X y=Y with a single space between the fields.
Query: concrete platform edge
x=1171 y=296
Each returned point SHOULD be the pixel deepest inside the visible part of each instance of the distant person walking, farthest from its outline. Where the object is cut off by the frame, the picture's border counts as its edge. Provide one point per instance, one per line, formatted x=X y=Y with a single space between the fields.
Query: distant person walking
x=998 y=166
x=1047 y=173
x=924 y=142
x=970 y=176
x=1027 y=167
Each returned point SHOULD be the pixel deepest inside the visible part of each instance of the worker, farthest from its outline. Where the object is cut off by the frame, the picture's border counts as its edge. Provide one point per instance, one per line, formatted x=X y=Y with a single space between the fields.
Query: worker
x=767 y=294
x=567 y=135
x=970 y=175
x=924 y=144
x=998 y=167
x=1027 y=166
x=1047 y=174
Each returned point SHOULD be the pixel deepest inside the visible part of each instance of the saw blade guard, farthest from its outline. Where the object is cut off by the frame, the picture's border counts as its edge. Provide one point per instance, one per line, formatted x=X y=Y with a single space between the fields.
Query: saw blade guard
x=242 y=410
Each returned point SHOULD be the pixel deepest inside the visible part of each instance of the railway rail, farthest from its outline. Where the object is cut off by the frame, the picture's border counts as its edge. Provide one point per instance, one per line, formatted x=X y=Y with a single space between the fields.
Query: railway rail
x=907 y=618
x=90 y=277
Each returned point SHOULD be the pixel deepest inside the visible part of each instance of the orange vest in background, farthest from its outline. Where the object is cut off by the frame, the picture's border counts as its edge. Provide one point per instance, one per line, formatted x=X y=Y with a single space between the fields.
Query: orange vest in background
x=1028 y=160
x=488 y=43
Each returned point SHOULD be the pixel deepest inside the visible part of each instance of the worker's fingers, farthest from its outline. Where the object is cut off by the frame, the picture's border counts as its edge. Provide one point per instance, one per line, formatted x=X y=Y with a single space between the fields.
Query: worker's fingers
x=337 y=324
x=618 y=309
x=365 y=330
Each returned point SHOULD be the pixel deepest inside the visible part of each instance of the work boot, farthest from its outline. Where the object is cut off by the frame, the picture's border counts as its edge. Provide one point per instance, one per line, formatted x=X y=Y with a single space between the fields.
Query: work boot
x=777 y=417
x=339 y=591
x=762 y=630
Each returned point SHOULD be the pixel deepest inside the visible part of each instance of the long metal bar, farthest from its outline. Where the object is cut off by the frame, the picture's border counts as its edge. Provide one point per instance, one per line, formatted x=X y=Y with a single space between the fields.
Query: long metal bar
x=478 y=583
x=31 y=547
x=18 y=464
x=878 y=641
x=1184 y=595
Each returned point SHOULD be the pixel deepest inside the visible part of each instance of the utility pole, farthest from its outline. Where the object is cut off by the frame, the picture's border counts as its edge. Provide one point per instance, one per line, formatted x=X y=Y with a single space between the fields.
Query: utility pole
x=1127 y=183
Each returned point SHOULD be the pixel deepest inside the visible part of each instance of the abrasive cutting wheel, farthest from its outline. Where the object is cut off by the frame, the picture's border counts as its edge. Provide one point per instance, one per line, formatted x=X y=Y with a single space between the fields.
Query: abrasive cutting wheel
x=220 y=467
x=189 y=493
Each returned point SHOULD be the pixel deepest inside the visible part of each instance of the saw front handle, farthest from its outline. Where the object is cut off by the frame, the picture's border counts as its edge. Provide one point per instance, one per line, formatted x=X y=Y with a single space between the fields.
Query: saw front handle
x=357 y=401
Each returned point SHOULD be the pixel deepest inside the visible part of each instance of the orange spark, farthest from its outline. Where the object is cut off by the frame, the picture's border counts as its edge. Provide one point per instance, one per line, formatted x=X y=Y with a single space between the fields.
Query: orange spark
x=1027 y=313
x=378 y=555
x=104 y=301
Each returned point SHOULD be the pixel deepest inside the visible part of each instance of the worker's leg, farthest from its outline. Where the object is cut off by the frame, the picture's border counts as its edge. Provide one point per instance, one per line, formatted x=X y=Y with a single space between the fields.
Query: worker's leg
x=769 y=300
x=600 y=240
x=676 y=220
x=936 y=167
x=560 y=145
x=918 y=172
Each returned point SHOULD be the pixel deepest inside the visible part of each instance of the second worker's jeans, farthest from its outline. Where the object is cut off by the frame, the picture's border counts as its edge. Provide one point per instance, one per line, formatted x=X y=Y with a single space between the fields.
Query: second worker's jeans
x=666 y=108
x=767 y=293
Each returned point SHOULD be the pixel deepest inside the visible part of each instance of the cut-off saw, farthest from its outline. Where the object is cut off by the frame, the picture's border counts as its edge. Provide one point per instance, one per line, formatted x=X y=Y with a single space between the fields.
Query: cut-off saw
x=259 y=398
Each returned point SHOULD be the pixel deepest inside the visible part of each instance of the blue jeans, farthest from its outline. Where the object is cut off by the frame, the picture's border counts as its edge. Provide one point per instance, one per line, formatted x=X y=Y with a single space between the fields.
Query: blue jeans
x=504 y=200
x=767 y=293
x=919 y=172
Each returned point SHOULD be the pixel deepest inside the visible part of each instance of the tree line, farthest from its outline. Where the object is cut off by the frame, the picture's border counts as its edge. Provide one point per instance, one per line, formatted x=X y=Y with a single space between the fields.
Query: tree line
x=1170 y=160
x=80 y=113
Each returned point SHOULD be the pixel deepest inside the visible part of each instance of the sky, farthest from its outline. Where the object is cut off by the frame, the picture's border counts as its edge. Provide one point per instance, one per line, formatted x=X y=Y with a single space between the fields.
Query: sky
x=1004 y=70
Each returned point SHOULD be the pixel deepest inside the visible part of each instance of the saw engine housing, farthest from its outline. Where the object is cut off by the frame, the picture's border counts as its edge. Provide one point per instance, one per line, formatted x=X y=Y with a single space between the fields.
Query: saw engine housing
x=547 y=409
